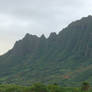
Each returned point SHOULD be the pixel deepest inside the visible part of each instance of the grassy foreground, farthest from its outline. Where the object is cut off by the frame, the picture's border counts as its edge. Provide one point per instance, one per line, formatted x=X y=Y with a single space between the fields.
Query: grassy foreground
x=39 y=87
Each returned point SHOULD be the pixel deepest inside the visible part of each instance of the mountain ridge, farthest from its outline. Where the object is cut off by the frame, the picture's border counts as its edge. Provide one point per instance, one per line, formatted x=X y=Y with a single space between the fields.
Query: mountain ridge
x=50 y=60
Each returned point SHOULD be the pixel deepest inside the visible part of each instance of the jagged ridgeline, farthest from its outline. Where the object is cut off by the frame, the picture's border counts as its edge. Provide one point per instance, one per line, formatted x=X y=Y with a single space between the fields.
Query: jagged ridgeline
x=64 y=58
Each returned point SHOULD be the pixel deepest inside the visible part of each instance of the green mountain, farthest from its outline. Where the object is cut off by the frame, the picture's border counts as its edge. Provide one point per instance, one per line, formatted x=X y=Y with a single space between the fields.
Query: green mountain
x=64 y=58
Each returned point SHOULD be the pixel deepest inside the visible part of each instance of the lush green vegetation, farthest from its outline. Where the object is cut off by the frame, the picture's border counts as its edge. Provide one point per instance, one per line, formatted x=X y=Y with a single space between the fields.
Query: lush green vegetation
x=39 y=87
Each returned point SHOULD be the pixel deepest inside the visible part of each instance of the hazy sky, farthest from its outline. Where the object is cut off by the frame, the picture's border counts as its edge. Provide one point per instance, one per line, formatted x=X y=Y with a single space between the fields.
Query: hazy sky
x=18 y=17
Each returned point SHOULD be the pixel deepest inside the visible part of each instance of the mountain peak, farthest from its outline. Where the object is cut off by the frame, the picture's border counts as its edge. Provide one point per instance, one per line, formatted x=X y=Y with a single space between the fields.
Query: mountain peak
x=43 y=36
x=53 y=35
x=90 y=16
x=83 y=21
x=86 y=18
x=29 y=36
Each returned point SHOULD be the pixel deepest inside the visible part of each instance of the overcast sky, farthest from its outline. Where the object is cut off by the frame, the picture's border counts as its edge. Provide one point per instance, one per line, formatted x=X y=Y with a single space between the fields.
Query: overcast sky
x=18 y=17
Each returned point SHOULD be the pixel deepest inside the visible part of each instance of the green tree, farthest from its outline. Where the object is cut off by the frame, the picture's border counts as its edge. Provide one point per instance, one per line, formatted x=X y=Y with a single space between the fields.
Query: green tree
x=54 y=88
x=39 y=87
x=85 y=86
